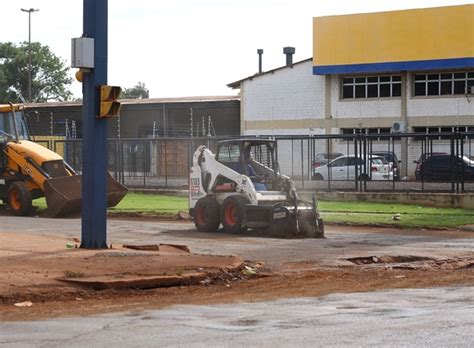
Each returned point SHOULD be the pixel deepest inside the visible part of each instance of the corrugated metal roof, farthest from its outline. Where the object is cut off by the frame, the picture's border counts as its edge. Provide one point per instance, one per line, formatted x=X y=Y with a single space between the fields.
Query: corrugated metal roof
x=236 y=84
x=196 y=99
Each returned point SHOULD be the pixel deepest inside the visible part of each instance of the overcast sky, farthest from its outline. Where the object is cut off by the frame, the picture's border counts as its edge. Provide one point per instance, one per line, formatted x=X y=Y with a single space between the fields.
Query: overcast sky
x=185 y=47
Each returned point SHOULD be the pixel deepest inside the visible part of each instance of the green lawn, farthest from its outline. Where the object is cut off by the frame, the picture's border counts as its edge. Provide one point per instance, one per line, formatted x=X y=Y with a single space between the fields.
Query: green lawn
x=331 y=211
x=382 y=213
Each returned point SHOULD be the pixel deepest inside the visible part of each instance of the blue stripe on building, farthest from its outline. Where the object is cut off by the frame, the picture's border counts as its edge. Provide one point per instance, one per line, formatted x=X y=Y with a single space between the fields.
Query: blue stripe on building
x=432 y=64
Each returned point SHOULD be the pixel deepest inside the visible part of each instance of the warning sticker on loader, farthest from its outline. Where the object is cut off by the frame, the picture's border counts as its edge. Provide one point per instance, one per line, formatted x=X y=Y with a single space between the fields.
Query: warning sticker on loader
x=195 y=188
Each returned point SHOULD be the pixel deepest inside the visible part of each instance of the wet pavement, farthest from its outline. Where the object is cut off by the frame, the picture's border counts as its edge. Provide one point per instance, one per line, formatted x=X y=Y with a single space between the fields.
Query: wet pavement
x=409 y=317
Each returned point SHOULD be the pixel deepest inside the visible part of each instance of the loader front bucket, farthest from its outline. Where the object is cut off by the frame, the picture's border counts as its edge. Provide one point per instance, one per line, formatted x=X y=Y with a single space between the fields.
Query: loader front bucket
x=64 y=194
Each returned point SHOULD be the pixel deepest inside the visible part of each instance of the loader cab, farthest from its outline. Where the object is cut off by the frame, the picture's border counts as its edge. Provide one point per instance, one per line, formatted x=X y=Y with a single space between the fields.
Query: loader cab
x=13 y=126
x=252 y=157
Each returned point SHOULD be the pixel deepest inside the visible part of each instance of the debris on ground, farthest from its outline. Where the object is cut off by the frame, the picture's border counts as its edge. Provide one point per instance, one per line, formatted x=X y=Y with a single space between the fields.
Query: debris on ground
x=184 y=215
x=24 y=304
x=249 y=271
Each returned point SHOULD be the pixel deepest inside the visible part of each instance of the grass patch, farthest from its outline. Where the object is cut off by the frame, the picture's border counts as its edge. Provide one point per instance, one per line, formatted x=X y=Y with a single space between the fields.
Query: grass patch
x=151 y=204
x=411 y=216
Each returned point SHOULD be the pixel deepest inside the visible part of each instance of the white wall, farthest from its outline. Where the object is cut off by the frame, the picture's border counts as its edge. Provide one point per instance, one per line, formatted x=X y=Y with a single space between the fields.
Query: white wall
x=293 y=93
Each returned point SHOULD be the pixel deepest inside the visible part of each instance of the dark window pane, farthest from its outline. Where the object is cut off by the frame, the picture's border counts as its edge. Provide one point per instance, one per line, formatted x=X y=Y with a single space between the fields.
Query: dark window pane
x=396 y=78
x=446 y=87
x=433 y=76
x=360 y=91
x=470 y=75
x=384 y=78
x=433 y=88
x=459 y=87
x=446 y=130
x=384 y=130
x=347 y=92
x=419 y=129
x=396 y=90
x=459 y=75
x=360 y=80
x=373 y=130
x=348 y=80
x=420 y=88
x=347 y=131
x=372 y=79
x=420 y=77
x=446 y=76
x=384 y=90
x=372 y=91
x=470 y=82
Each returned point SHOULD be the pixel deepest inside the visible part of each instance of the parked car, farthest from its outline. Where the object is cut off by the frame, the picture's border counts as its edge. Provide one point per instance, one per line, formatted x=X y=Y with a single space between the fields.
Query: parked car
x=445 y=167
x=422 y=158
x=344 y=168
x=392 y=158
x=323 y=158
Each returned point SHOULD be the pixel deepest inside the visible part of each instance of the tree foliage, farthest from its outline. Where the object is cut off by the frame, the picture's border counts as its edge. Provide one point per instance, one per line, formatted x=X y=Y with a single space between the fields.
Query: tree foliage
x=137 y=92
x=49 y=74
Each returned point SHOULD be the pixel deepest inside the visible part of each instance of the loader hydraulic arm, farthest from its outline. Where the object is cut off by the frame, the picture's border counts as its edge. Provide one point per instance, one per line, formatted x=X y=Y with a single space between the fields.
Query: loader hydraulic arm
x=211 y=169
x=26 y=166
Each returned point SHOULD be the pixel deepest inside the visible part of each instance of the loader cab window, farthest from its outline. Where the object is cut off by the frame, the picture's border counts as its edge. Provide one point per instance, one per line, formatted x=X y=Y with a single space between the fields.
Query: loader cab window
x=263 y=154
x=229 y=154
x=7 y=129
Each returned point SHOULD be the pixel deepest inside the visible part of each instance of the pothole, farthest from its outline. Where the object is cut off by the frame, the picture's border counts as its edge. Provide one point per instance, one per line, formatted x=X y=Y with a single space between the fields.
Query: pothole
x=368 y=260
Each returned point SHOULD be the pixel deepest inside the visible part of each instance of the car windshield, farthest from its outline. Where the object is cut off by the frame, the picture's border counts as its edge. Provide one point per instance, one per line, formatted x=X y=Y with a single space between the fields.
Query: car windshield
x=378 y=161
x=7 y=129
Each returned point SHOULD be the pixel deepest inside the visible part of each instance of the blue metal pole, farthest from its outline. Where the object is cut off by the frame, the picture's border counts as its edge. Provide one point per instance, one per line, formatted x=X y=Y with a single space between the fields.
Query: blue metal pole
x=94 y=179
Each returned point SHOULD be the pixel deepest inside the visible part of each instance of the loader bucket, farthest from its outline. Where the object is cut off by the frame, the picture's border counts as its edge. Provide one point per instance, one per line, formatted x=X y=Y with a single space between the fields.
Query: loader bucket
x=64 y=194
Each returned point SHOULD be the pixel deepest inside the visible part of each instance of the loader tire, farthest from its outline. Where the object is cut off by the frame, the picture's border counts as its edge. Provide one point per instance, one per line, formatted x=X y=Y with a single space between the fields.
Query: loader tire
x=233 y=214
x=19 y=199
x=206 y=215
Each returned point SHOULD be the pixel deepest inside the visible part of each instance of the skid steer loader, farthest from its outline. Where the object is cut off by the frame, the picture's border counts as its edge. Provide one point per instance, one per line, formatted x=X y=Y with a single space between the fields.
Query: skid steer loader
x=29 y=171
x=241 y=187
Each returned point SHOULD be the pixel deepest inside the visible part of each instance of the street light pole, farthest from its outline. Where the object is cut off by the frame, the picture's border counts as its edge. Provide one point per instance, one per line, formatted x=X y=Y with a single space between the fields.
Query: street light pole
x=29 y=49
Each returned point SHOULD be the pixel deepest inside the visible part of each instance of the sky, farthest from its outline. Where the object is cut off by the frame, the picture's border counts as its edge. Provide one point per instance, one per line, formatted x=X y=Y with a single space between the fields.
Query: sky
x=183 y=47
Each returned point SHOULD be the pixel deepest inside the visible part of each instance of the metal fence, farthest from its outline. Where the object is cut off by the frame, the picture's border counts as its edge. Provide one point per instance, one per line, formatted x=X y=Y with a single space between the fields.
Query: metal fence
x=154 y=163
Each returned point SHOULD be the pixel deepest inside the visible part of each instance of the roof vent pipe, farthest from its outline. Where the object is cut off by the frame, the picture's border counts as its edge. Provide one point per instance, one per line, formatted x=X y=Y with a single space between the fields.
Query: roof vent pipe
x=260 y=52
x=289 y=51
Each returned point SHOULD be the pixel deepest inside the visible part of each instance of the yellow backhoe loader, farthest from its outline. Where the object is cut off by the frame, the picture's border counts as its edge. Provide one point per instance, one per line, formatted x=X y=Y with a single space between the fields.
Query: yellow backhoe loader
x=29 y=171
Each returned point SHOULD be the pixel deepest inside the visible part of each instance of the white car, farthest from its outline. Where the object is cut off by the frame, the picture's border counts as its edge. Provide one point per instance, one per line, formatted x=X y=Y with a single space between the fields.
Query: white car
x=344 y=168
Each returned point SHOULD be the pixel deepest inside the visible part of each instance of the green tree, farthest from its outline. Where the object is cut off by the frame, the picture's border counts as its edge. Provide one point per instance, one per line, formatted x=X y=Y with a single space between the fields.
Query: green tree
x=49 y=74
x=137 y=92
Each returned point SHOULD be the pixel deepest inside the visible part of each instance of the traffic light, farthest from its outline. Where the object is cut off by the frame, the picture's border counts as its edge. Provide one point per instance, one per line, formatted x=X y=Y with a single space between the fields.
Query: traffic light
x=109 y=106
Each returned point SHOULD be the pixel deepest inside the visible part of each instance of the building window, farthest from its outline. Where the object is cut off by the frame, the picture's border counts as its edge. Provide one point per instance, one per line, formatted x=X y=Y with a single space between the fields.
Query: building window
x=447 y=130
x=371 y=87
x=446 y=83
x=370 y=131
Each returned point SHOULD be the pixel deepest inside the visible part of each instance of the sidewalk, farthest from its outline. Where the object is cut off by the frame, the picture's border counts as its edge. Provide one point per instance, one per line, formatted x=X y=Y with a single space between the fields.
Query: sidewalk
x=42 y=266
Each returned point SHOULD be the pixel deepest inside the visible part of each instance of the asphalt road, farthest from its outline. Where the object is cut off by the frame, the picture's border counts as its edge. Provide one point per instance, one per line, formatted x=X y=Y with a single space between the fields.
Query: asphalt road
x=341 y=242
x=410 y=317
x=421 y=317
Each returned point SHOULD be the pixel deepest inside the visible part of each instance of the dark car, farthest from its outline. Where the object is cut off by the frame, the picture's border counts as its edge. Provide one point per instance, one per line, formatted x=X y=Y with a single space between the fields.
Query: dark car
x=446 y=167
x=392 y=158
x=422 y=158
x=322 y=159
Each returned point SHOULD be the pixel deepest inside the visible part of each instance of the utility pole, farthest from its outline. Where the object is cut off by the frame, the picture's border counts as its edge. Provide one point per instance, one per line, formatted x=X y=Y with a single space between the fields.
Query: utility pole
x=94 y=178
x=30 y=11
